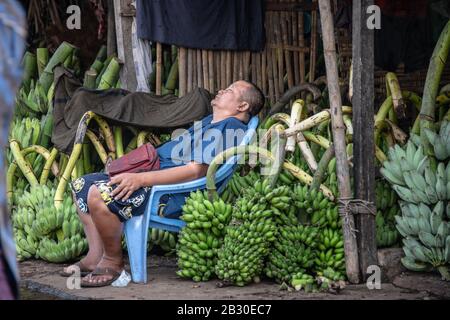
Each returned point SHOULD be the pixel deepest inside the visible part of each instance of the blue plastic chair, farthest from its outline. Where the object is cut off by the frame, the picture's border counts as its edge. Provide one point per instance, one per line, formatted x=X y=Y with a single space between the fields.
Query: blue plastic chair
x=136 y=229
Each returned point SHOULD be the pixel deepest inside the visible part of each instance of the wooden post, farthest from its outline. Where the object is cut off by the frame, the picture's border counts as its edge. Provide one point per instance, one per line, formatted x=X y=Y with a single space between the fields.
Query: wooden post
x=363 y=137
x=124 y=19
x=182 y=71
x=338 y=128
x=111 y=40
x=158 y=68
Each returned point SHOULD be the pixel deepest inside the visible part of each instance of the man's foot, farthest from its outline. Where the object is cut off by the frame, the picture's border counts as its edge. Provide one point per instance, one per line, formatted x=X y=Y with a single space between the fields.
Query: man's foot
x=106 y=272
x=81 y=266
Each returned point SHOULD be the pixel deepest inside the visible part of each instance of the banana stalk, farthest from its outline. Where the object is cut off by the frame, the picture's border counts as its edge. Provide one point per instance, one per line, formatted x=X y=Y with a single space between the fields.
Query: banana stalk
x=50 y=163
x=306 y=152
x=132 y=145
x=313 y=121
x=60 y=55
x=296 y=114
x=317 y=139
x=387 y=106
x=393 y=89
x=109 y=78
x=106 y=131
x=119 y=141
x=348 y=124
x=97 y=65
x=437 y=64
x=29 y=69
x=322 y=168
x=263 y=153
x=89 y=79
x=278 y=149
x=78 y=143
x=22 y=163
x=97 y=146
x=87 y=166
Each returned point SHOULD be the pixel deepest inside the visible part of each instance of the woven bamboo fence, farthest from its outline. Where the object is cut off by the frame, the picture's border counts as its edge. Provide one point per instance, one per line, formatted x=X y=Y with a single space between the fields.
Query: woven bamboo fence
x=288 y=59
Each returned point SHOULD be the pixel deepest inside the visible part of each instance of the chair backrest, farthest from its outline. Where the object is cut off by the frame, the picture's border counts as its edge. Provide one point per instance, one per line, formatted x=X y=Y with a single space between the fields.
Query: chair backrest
x=227 y=169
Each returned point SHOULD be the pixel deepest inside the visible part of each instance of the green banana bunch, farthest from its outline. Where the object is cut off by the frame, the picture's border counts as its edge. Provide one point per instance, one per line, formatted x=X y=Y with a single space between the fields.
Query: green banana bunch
x=330 y=253
x=250 y=234
x=293 y=252
x=410 y=173
x=320 y=209
x=42 y=231
x=27 y=132
x=62 y=251
x=237 y=183
x=441 y=141
x=202 y=236
x=165 y=239
x=303 y=281
x=330 y=279
x=35 y=99
x=426 y=237
x=387 y=235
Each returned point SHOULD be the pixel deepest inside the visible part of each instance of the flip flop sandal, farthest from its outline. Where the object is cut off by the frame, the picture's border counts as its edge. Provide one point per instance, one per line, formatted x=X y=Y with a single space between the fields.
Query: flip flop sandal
x=84 y=271
x=101 y=272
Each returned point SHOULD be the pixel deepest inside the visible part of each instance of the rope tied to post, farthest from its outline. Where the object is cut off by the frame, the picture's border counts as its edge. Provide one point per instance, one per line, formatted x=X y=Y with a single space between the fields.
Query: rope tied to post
x=350 y=206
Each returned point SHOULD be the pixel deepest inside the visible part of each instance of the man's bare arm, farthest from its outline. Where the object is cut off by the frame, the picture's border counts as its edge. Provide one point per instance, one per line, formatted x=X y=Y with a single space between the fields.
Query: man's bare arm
x=130 y=182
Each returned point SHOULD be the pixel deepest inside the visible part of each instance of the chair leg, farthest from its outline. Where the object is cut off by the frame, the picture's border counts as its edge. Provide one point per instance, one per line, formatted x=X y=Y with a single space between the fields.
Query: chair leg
x=136 y=237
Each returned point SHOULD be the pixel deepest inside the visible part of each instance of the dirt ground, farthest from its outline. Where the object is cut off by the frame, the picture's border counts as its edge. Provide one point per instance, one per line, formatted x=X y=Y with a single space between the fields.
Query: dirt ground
x=40 y=280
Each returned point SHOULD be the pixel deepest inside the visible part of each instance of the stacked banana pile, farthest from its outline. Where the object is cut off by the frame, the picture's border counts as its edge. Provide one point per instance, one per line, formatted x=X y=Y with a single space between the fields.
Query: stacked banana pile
x=324 y=215
x=293 y=252
x=200 y=239
x=249 y=235
x=42 y=231
x=423 y=183
x=387 y=209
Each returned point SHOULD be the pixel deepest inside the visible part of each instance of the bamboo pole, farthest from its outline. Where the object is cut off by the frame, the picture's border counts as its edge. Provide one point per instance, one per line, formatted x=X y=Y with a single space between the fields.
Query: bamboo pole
x=182 y=71
x=247 y=56
x=287 y=53
x=205 y=70
x=235 y=66
x=343 y=174
x=199 y=69
x=211 y=71
x=190 y=71
x=279 y=52
x=158 y=68
x=295 y=43
x=223 y=69
x=229 y=68
x=194 y=69
x=301 y=42
x=253 y=68
x=258 y=70
x=313 y=53
x=264 y=71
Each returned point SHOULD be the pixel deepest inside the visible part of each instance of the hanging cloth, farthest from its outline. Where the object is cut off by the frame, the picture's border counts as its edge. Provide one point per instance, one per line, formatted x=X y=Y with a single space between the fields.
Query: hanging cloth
x=203 y=24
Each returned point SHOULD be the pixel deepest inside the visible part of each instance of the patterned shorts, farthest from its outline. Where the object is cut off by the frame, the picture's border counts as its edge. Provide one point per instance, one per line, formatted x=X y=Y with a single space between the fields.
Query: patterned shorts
x=135 y=205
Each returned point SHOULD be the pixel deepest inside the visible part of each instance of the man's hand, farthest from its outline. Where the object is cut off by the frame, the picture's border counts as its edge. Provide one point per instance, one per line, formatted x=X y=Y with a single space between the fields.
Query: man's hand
x=126 y=183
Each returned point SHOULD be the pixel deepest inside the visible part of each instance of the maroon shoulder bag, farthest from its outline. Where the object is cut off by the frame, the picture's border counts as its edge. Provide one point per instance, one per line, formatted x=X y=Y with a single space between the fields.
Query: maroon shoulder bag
x=142 y=159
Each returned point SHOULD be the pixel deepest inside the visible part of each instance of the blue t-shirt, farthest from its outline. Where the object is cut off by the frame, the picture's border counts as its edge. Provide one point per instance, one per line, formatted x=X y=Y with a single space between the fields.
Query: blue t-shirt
x=201 y=142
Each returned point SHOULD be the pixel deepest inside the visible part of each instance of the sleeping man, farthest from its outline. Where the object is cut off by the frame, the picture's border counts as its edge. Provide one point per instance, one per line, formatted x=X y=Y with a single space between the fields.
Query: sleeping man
x=104 y=203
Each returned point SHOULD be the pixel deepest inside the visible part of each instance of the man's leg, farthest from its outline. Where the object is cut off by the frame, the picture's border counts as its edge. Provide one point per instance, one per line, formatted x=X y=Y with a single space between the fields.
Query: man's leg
x=109 y=228
x=95 y=252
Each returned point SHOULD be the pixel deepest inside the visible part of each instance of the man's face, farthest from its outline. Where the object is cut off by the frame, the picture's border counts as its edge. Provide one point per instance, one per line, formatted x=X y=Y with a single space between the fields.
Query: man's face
x=230 y=98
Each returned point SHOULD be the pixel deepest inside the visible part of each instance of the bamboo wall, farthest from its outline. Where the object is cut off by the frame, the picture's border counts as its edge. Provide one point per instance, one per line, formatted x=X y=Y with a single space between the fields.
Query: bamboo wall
x=289 y=57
